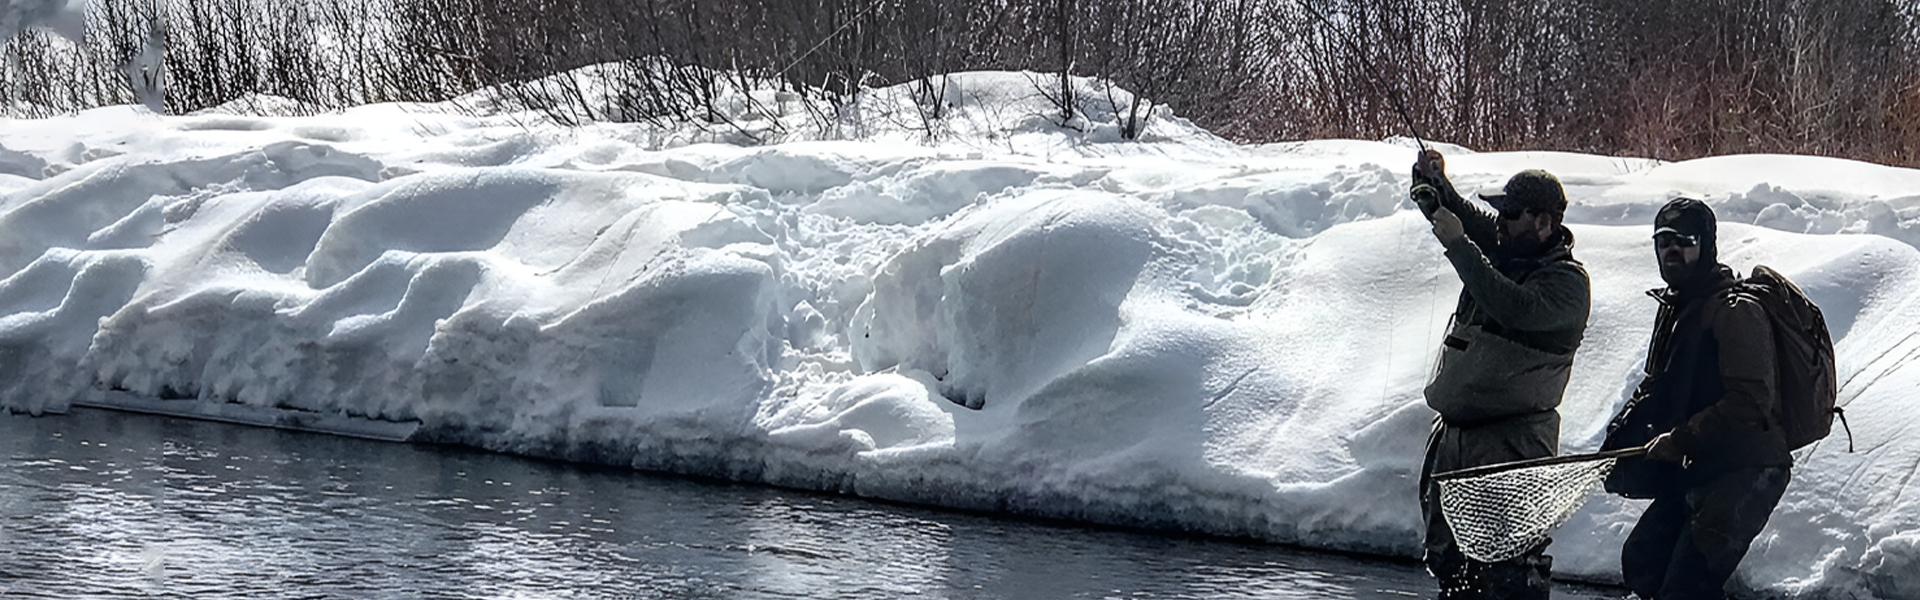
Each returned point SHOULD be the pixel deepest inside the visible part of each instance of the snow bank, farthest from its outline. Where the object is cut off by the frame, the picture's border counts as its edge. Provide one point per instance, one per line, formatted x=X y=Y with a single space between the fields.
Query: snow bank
x=1013 y=314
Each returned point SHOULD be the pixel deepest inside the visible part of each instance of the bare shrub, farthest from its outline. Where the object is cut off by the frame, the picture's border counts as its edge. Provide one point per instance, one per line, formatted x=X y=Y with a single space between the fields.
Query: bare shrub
x=1663 y=78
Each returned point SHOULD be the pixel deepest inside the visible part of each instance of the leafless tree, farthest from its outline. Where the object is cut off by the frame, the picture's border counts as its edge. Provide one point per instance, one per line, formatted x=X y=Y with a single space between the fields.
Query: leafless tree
x=1660 y=78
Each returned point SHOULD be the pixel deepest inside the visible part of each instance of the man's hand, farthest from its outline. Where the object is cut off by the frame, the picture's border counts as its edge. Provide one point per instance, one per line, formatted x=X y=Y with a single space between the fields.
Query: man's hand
x=1429 y=166
x=1447 y=227
x=1663 y=448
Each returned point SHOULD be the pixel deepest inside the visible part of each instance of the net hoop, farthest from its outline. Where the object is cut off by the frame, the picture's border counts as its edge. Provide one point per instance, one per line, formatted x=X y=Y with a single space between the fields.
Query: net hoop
x=1497 y=512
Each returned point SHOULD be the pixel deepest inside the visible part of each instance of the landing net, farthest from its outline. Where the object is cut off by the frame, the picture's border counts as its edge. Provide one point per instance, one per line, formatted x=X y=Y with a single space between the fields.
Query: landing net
x=1499 y=511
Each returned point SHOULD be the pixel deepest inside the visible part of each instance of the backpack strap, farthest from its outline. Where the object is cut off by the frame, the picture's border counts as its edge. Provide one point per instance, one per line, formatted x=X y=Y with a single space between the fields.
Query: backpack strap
x=1842 y=414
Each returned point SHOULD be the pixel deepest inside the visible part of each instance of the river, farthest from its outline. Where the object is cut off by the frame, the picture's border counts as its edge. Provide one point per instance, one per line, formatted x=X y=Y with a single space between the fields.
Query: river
x=102 y=504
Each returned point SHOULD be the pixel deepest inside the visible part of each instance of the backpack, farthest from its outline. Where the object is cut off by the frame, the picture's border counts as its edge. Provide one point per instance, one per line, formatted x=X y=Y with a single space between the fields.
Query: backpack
x=1803 y=358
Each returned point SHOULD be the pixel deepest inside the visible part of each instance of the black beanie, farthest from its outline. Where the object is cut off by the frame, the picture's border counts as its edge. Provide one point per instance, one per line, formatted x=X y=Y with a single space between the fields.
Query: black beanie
x=1688 y=216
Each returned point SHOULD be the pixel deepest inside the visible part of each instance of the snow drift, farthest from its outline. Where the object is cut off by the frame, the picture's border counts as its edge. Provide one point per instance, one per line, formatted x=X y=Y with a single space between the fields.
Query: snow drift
x=1016 y=314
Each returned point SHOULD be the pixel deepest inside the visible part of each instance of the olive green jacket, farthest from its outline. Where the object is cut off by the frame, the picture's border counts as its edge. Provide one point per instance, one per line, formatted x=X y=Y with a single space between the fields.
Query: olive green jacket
x=1505 y=361
x=1508 y=355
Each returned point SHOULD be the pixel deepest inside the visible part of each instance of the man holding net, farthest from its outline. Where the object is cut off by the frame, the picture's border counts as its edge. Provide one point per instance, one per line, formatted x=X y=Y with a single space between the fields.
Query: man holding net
x=1711 y=385
x=1506 y=359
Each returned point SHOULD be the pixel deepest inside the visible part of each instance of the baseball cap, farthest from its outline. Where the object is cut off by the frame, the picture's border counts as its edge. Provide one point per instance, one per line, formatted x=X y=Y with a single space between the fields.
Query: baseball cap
x=1532 y=188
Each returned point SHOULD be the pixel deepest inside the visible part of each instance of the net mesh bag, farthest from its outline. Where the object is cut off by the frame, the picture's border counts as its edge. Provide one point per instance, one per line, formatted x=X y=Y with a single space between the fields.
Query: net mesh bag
x=1498 y=515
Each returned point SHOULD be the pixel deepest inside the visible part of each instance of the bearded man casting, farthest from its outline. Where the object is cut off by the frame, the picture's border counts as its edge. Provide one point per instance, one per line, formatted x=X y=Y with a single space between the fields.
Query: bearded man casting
x=1506 y=359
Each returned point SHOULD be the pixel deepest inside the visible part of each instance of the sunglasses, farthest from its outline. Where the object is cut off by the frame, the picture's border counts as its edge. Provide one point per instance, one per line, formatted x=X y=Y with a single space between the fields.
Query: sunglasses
x=1514 y=213
x=1671 y=239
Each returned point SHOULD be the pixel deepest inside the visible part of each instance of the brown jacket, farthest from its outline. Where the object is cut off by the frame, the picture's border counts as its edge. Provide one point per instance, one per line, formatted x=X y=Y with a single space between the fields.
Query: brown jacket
x=1712 y=362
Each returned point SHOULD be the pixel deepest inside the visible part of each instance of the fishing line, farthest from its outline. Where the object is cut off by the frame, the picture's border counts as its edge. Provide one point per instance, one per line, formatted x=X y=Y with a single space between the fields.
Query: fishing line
x=823 y=41
x=1406 y=119
x=1373 y=75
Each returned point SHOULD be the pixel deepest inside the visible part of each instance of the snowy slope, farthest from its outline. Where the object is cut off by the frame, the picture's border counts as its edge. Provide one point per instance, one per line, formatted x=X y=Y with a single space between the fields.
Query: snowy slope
x=1177 y=332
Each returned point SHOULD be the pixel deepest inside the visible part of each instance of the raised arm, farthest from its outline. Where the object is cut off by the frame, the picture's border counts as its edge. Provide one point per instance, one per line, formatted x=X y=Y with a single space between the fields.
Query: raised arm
x=1430 y=177
x=1557 y=296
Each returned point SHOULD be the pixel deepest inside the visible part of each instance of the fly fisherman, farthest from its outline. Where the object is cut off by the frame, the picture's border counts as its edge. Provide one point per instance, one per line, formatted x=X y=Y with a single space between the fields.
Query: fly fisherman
x=1506 y=358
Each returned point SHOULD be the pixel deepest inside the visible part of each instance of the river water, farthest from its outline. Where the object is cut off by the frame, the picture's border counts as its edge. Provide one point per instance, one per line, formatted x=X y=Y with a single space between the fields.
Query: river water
x=100 y=504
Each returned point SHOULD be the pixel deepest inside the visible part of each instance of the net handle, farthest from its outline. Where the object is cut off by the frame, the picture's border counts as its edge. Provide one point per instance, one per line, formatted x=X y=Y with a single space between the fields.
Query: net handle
x=1540 y=462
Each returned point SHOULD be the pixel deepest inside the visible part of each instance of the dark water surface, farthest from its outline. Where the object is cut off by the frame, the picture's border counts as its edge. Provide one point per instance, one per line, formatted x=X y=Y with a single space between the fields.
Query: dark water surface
x=98 y=504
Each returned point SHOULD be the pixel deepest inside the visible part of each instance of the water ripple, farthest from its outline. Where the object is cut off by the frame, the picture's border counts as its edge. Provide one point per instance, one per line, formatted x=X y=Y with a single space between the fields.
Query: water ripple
x=96 y=504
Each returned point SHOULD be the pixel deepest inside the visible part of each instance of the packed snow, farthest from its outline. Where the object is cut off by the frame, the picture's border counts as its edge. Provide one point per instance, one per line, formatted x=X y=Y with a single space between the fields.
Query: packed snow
x=992 y=310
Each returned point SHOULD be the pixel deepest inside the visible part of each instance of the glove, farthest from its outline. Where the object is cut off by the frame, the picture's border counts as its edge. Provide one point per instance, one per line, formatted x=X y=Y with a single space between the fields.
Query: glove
x=1426 y=197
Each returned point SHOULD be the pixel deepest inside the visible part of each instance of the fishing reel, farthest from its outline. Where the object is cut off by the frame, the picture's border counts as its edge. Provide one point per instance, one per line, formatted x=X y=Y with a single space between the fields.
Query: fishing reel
x=1426 y=197
x=1430 y=167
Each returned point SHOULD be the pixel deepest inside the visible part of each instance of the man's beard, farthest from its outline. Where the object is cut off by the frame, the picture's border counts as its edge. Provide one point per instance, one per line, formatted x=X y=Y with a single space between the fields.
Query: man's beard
x=1679 y=274
x=1509 y=245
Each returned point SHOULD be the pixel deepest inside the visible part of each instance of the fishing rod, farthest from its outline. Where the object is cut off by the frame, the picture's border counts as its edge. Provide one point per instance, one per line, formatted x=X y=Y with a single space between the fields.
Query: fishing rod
x=1399 y=106
x=1373 y=75
x=1426 y=196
